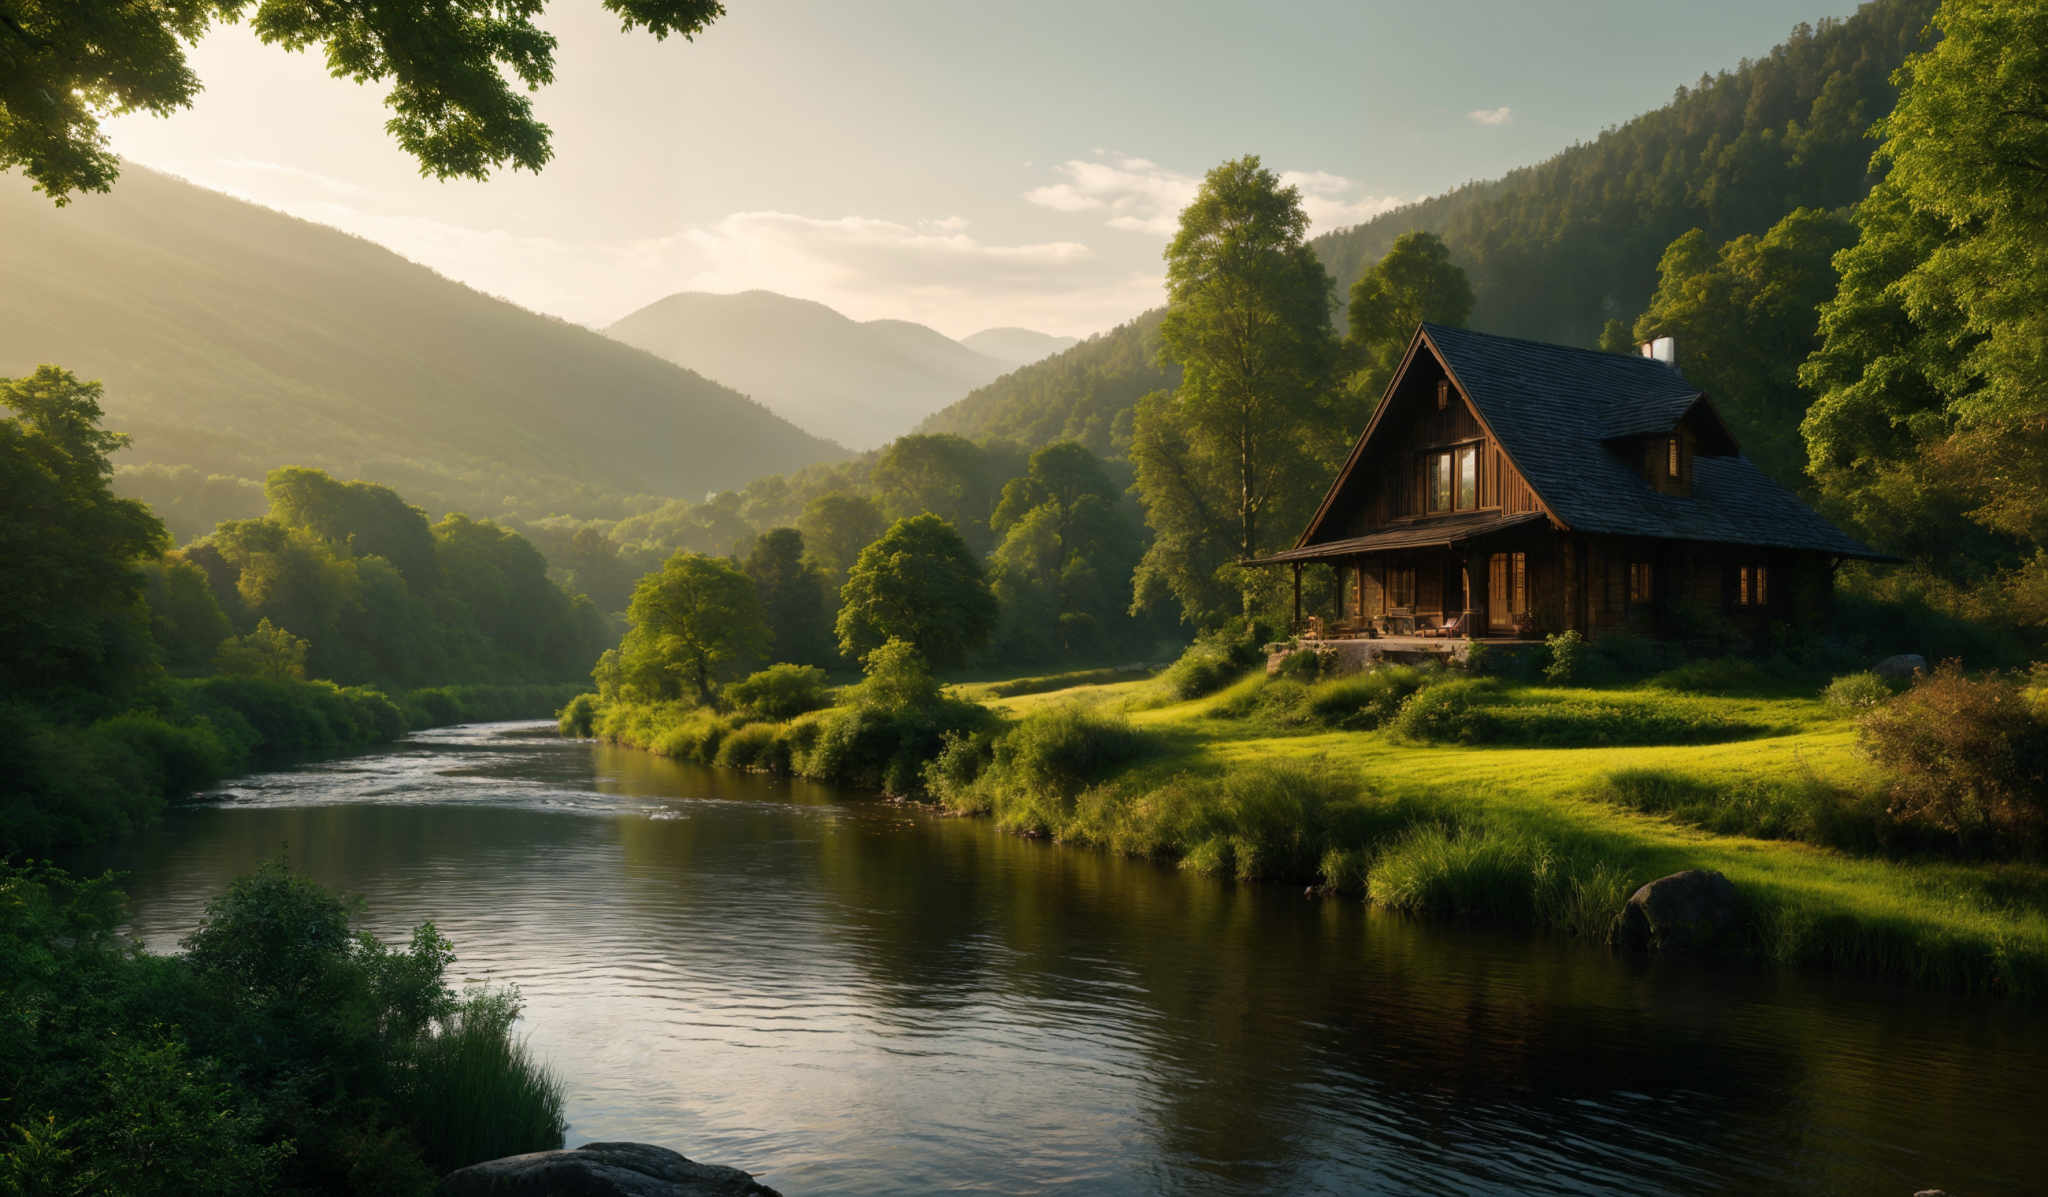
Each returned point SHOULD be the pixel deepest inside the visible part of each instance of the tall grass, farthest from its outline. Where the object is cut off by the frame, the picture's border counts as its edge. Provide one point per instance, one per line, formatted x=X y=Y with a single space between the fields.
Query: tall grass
x=477 y=1092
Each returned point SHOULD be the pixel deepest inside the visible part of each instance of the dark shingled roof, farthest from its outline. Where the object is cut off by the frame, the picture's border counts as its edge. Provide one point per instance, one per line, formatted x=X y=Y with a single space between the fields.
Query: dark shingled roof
x=1554 y=408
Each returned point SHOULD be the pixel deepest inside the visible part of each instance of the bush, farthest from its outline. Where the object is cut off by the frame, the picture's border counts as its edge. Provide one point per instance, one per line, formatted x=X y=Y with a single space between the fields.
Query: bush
x=176 y=759
x=1202 y=669
x=1367 y=700
x=1439 y=870
x=780 y=692
x=579 y=718
x=1620 y=655
x=476 y=1092
x=1567 y=651
x=1857 y=691
x=754 y=746
x=1036 y=769
x=1449 y=712
x=1305 y=665
x=1968 y=757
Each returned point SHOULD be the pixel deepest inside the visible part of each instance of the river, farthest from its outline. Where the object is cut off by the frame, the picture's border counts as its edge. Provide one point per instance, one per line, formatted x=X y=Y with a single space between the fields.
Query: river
x=848 y=996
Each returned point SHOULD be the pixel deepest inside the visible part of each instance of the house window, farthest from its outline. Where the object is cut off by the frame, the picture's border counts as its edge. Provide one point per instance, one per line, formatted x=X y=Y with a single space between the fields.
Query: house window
x=1401 y=586
x=1674 y=457
x=1443 y=394
x=1507 y=595
x=1639 y=582
x=1753 y=586
x=1451 y=481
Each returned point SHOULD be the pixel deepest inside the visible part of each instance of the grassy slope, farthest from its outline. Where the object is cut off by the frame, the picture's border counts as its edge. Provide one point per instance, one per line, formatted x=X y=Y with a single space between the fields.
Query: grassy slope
x=1875 y=910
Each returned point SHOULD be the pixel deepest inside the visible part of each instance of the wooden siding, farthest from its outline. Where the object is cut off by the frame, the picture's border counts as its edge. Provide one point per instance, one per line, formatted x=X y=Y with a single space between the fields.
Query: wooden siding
x=1391 y=483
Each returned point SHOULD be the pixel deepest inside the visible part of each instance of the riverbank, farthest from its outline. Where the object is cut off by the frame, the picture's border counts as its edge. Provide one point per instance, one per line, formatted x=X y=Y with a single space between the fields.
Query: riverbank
x=1543 y=827
x=75 y=781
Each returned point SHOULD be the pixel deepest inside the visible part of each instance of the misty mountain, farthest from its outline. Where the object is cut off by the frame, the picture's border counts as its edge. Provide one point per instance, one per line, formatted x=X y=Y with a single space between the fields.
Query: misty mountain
x=1018 y=346
x=860 y=383
x=1557 y=249
x=233 y=339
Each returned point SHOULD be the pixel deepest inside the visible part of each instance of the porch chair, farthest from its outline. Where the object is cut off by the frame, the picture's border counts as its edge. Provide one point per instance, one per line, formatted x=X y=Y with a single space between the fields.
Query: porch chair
x=1454 y=626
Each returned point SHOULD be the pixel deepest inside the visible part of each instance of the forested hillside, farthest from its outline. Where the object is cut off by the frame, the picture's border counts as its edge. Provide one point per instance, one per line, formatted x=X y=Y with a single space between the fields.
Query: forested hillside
x=1556 y=250
x=859 y=383
x=233 y=339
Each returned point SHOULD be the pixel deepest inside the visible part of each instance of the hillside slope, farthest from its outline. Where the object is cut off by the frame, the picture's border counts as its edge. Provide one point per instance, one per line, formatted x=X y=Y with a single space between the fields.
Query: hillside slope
x=233 y=339
x=861 y=384
x=1018 y=346
x=1557 y=249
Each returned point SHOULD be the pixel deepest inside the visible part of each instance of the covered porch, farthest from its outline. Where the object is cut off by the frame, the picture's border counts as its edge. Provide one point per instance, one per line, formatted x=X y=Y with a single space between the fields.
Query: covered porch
x=1413 y=588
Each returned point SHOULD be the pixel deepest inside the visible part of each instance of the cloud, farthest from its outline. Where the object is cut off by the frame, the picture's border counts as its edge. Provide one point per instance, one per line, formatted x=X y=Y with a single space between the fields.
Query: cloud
x=1140 y=196
x=1491 y=116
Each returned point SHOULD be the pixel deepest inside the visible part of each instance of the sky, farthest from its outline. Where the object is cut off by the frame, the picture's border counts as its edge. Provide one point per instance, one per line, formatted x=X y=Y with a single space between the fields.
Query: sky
x=960 y=164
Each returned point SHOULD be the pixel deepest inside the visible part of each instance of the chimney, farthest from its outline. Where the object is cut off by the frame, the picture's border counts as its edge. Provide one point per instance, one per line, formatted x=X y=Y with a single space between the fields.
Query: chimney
x=1663 y=349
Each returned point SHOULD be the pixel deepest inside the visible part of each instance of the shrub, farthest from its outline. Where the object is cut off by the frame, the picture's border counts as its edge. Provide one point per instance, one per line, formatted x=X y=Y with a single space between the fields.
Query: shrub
x=579 y=718
x=1714 y=675
x=1202 y=669
x=1567 y=651
x=780 y=692
x=1966 y=756
x=1452 y=711
x=1622 y=655
x=1436 y=869
x=756 y=746
x=1857 y=691
x=1367 y=700
x=1305 y=665
x=175 y=759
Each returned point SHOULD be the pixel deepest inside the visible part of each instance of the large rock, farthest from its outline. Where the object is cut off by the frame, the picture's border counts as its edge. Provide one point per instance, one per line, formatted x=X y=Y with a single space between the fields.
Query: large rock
x=1899 y=670
x=1695 y=911
x=602 y=1170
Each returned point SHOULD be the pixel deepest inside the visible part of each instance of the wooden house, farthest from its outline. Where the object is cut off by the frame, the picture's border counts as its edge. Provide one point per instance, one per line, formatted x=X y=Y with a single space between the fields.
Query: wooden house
x=1509 y=488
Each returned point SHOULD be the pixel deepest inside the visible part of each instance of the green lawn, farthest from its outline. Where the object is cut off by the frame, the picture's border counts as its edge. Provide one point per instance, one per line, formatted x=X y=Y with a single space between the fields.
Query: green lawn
x=1980 y=926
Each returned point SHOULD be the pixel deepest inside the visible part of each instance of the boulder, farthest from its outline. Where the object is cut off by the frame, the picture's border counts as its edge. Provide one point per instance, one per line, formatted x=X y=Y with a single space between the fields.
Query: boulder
x=1694 y=911
x=602 y=1170
x=1899 y=670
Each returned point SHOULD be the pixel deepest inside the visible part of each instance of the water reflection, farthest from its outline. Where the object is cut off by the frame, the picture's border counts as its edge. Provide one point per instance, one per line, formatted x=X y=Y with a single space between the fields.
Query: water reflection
x=847 y=996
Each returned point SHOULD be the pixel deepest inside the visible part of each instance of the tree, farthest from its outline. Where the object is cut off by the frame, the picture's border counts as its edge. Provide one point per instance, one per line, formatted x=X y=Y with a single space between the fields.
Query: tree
x=1930 y=423
x=920 y=584
x=268 y=652
x=1745 y=317
x=837 y=527
x=184 y=617
x=455 y=68
x=1248 y=320
x=948 y=476
x=71 y=615
x=793 y=597
x=1416 y=281
x=362 y=519
x=693 y=624
x=1061 y=571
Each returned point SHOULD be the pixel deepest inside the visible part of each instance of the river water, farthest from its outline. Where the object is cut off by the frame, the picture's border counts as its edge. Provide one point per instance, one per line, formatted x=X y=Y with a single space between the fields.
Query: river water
x=847 y=996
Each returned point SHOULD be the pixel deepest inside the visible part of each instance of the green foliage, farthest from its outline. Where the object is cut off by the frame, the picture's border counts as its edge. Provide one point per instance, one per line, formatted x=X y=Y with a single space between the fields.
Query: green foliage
x=947 y=476
x=1367 y=700
x=920 y=584
x=1567 y=652
x=1456 y=711
x=794 y=601
x=1801 y=808
x=360 y=519
x=779 y=692
x=1716 y=675
x=71 y=617
x=1219 y=459
x=1061 y=570
x=1745 y=317
x=457 y=80
x=1036 y=769
x=284 y=1051
x=1415 y=282
x=760 y=747
x=695 y=624
x=579 y=718
x=836 y=527
x=1857 y=691
x=185 y=619
x=269 y=651
x=1209 y=664
x=1967 y=757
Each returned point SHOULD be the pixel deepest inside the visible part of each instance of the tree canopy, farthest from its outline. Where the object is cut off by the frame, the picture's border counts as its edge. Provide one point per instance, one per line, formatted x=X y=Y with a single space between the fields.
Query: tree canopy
x=920 y=584
x=1247 y=318
x=1416 y=281
x=459 y=73
x=694 y=624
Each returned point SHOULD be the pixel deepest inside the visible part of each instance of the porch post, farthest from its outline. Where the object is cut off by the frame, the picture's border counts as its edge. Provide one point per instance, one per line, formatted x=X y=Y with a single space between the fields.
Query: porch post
x=1359 y=566
x=1297 y=598
x=1470 y=616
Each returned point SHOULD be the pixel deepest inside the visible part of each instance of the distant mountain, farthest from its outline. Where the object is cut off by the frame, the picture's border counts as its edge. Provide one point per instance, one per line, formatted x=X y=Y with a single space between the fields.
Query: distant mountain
x=1018 y=346
x=861 y=384
x=234 y=339
x=1557 y=249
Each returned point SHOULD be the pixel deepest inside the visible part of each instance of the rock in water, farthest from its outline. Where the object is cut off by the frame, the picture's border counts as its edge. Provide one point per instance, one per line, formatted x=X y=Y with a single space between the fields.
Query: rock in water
x=1899 y=670
x=1693 y=911
x=602 y=1170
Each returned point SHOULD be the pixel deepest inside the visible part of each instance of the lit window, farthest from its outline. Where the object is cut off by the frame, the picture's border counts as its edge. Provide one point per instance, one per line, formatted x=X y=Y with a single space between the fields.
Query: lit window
x=1468 y=478
x=1673 y=457
x=1753 y=586
x=1440 y=491
x=1401 y=586
x=1639 y=582
x=1443 y=394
